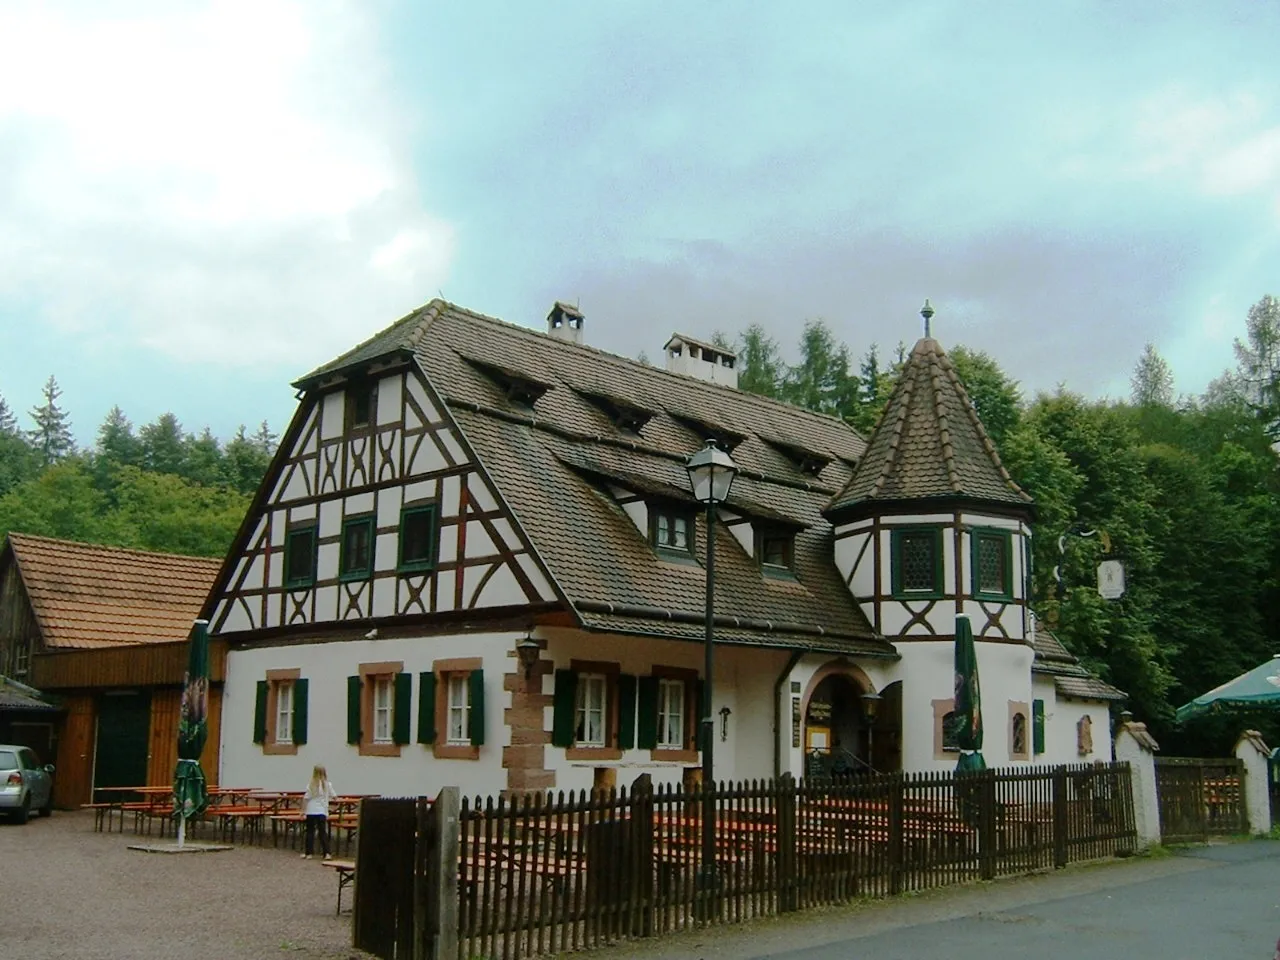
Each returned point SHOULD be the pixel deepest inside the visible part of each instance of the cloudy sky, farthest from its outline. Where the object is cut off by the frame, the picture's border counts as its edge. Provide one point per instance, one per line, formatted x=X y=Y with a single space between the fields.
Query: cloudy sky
x=201 y=201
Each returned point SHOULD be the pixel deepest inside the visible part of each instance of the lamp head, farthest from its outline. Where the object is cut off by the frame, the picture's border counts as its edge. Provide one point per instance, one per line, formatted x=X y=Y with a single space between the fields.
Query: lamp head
x=711 y=473
x=528 y=650
x=871 y=704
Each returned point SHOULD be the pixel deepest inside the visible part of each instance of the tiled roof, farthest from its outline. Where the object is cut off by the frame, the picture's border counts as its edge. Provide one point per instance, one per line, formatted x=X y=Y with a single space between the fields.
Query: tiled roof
x=91 y=596
x=14 y=696
x=929 y=442
x=553 y=460
x=1071 y=679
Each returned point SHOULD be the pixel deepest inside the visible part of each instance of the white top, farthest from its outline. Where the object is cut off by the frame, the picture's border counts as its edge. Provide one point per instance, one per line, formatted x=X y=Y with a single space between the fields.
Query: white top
x=318 y=803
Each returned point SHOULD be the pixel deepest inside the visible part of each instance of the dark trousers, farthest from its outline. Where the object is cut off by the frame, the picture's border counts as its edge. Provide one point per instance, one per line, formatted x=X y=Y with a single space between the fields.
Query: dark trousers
x=317 y=822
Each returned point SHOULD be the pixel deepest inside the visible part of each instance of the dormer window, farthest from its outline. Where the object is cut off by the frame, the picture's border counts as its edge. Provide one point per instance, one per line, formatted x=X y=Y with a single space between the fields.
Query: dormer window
x=518 y=387
x=917 y=563
x=361 y=405
x=775 y=549
x=671 y=529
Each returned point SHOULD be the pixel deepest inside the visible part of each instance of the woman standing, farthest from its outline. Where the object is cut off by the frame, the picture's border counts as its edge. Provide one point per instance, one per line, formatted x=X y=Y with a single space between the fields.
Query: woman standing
x=315 y=803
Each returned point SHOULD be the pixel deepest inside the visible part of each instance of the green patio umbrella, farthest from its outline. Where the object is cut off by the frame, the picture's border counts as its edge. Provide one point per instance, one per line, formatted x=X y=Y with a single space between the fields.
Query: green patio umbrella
x=1260 y=687
x=968 y=707
x=190 y=796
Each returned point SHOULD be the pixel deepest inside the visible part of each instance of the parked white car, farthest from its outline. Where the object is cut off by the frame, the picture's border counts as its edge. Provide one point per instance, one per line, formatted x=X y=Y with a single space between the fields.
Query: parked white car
x=25 y=784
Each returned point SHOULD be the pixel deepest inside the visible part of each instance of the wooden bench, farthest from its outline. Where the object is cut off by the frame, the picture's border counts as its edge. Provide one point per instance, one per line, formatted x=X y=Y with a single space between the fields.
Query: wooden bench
x=346 y=871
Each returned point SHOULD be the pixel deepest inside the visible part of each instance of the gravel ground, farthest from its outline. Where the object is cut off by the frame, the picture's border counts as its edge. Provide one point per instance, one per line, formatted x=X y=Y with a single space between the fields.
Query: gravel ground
x=73 y=893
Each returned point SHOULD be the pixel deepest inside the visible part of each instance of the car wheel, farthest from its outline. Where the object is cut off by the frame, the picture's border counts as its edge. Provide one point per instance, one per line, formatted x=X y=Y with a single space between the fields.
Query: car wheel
x=47 y=809
x=23 y=813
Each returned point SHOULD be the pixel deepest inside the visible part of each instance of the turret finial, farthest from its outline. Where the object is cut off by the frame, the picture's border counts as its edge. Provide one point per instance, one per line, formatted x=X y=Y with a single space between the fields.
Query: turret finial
x=927 y=312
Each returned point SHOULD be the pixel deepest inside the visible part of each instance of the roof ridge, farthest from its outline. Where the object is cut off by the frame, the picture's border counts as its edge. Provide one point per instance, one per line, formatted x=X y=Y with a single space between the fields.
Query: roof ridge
x=905 y=386
x=84 y=544
x=705 y=385
x=936 y=375
x=987 y=443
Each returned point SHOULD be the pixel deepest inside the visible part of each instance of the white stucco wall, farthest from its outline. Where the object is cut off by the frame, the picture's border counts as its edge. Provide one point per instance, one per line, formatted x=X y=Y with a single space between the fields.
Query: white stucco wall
x=743 y=680
x=327 y=666
x=1060 y=719
x=927 y=671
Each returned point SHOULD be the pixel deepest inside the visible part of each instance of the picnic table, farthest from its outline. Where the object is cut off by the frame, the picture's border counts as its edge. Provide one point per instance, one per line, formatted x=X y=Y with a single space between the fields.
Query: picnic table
x=346 y=871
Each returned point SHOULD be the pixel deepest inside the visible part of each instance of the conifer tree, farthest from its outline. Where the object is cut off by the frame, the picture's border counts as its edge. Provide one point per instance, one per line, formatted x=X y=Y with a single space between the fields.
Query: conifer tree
x=52 y=434
x=117 y=445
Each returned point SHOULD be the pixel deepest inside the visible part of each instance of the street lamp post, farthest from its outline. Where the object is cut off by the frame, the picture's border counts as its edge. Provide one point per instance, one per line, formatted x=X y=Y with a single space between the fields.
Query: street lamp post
x=711 y=473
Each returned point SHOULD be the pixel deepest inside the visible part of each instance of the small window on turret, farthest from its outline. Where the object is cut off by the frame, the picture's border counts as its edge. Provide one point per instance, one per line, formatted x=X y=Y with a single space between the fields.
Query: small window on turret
x=917 y=562
x=991 y=557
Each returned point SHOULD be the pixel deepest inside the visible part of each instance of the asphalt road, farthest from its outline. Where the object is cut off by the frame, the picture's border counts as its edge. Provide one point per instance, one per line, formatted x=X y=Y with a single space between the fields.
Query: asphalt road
x=1214 y=903
x=1228 y=910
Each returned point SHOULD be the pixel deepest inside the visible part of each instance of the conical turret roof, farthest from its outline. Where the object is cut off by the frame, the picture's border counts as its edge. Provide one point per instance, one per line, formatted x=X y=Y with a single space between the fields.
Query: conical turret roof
x=929 y=443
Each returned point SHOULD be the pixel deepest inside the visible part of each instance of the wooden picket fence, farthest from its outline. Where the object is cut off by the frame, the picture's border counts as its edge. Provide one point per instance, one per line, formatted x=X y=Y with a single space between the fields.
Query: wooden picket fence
x=1200 y=797
x=542 y=875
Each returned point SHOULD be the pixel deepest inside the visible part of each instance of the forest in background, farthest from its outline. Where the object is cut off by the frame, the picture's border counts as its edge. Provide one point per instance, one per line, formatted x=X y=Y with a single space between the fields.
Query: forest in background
x=1187 y=489
x=156 y=488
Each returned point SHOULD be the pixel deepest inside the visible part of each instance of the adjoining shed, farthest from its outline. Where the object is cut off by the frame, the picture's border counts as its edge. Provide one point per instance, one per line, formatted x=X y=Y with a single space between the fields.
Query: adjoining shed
x=105 y=630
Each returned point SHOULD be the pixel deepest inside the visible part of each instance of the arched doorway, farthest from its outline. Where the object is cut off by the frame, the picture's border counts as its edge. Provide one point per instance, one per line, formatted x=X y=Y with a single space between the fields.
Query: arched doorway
x=841 y=739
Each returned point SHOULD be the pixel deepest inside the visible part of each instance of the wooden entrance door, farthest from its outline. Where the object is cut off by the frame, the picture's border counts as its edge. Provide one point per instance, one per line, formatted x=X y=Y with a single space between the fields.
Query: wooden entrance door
x=124 y=724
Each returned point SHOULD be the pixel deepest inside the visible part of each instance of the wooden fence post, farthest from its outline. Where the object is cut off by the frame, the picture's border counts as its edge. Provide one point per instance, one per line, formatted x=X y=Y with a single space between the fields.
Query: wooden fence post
x=1060 y=818
x=438 y=903
x=987 y=839
x=643 y=842
x=788 y=880
x=897 y=798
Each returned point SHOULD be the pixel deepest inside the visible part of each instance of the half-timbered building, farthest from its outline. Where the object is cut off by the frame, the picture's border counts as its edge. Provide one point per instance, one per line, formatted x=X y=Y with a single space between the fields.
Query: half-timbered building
x=476 y=560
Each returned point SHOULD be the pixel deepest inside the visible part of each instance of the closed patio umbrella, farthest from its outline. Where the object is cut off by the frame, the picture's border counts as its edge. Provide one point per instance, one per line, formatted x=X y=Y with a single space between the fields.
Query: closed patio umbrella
x=190 y=795
x=1260 y=687
x=968 y=704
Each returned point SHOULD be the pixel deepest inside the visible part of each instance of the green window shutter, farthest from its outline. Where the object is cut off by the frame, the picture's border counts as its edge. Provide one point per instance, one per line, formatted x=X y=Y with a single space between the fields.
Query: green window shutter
x=475 y=708
x=1037 y=725
x=400 y=712
x=565 y=703
x=353 y=709
x=626 y=712
x=300 y=712
x=426 y=708
x=647 y=726
x=895 y=563
x=260 y=714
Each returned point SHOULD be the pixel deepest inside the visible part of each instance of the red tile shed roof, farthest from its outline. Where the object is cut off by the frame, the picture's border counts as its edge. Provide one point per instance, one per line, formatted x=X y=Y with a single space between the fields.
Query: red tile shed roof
x=84 y=595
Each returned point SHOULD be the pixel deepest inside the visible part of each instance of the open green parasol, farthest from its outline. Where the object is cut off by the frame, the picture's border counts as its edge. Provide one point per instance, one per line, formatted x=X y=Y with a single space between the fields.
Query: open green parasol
x=1260 y=687
x=190 y=795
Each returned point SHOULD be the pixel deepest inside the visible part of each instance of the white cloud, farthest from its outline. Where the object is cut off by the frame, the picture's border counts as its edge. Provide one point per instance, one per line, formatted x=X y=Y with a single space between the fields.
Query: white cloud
x=223 y=181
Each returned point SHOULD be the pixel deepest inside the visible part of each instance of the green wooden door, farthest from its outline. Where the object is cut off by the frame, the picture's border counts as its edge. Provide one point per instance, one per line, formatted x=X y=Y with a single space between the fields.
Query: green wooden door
x=124 y=729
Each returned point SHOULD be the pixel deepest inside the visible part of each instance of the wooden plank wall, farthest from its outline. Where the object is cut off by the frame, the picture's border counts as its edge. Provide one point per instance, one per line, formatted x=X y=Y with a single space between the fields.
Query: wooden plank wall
x=17 y=622
x=136 y=665
x=162 y=750
x=73 y=776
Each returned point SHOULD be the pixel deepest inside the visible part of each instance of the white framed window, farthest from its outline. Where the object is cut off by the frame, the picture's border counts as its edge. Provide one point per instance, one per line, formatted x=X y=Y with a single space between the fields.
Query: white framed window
x=284 y=711
x=671 y=714
x=458 y=708
x=672 y=530
x=383 y=705
x=590 y=726
x=21 y=657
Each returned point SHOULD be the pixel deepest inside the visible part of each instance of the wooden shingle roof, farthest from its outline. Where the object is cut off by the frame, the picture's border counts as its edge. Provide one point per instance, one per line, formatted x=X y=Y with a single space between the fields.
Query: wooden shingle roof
x=929 y=443
x=552 y=460
x=86 y=596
